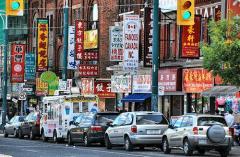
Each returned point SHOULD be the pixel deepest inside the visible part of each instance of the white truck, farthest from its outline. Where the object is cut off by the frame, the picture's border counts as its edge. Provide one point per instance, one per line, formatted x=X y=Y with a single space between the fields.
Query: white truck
x=58 y=111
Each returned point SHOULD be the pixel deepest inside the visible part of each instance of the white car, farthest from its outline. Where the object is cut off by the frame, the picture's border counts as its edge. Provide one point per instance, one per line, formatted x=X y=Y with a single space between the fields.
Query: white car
x=198 y=132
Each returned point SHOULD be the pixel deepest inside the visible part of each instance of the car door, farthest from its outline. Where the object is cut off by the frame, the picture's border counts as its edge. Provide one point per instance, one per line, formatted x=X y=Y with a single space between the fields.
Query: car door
x=181 y=131
x=173 y=134
x=85 y=125
x=186 y=127
x=120 y=130
x=10 y=128
x=25 y=126
x=75 y=128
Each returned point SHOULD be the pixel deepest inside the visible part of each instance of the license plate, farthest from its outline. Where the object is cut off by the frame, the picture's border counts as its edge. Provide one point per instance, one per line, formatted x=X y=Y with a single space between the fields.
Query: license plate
x=153 y=132
x=202 y=141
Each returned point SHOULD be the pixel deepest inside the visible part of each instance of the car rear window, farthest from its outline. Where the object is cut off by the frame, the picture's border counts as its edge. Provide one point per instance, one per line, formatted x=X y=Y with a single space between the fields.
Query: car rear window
x=151 y=119
x=209 y=121
x=104 y=119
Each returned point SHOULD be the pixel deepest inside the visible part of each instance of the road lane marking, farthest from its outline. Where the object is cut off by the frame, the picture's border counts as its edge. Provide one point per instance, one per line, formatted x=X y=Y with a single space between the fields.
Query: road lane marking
x=3 y=155
x=29 y=150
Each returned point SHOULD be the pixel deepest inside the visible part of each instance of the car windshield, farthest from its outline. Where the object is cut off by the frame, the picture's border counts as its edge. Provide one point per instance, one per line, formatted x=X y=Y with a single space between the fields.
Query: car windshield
x=151 y=119
x=209 y=121
x=105 y=118
x=21 y=119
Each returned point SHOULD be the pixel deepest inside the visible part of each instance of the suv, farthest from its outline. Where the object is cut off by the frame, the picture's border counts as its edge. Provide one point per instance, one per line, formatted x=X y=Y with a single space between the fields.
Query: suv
x=198 y=132
x=31 y=126
x=136 y=129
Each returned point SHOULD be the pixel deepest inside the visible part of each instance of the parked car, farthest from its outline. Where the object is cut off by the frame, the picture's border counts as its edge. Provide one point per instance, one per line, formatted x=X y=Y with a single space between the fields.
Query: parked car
x=31 y=126
x=12 y=127
x=198 y=132
x=136 y=129
x=90 y=128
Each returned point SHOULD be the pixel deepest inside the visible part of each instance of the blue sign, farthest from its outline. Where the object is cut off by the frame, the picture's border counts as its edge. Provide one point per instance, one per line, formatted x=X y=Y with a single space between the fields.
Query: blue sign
x=30 y=66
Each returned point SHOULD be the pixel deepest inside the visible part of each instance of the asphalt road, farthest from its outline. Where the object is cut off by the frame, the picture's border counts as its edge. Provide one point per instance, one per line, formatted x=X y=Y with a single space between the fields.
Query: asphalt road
x=27 y=148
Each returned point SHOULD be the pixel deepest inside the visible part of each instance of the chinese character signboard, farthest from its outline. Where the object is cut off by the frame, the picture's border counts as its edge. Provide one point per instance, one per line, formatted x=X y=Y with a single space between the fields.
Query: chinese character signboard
x=91 y=39
x=89 y=56
x=116 y=43
x=87 y=70
x=79 y=38
x=87 y=86
x=17 y=62
x=71 y=56
x=42 y=45
x=131 y=28
x=191 y=39
x=142 y=84
x=41 y=87
x=121 y=84
x=103 y=89
x=197 y=80
x=30 y=66
x=233 y=8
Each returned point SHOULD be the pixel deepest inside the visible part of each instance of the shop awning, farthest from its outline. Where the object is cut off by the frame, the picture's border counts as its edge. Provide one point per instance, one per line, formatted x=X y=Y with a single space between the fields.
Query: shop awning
x=221 y=91
x=136 y=97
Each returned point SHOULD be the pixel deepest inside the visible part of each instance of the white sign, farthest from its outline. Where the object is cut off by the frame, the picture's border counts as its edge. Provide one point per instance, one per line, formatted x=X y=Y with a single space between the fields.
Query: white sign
x=168 y=5
x=142 y=84
x=22 y=96
x=160 y=90
x=69 y=84
x=131 y=29
x=116 y=43
x=62 y=85
x=121 y=84
x=71 y=49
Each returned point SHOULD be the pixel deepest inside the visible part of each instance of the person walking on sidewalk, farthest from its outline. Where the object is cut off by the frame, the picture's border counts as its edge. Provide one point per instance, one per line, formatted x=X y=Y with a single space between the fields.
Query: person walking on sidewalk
x=230 y=122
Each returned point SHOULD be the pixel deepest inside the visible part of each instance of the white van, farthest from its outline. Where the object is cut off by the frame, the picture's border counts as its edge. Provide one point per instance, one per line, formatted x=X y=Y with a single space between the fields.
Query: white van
x=58 y=111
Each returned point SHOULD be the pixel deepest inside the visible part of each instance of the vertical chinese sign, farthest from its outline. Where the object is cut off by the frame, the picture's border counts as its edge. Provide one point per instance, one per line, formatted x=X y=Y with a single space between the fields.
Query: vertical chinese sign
x=79 y=39
x=87 y=86
x=71 y=45
x=30 y=66
x=191 y=39
x=131 y=29
x=116 y=43
x=103 y=89
x=42 y=45
x=18 y=62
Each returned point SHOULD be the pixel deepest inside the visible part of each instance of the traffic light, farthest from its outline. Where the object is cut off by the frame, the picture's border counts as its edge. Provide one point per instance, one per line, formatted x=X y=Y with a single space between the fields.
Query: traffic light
x=14 y=7
x=185 y=12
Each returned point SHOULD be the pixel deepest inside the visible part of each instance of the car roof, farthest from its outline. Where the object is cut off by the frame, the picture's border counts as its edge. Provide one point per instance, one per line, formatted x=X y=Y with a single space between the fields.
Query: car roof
x=202 y=115
x=145 y=113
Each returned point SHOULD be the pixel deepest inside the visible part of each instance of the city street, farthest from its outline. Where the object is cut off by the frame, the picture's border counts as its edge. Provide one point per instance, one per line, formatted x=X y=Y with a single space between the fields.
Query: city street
x=26 y=148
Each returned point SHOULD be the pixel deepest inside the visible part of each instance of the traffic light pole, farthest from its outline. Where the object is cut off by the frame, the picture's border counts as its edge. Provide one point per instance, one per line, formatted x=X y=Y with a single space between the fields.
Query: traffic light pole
x=155 y=56
x=65 y=44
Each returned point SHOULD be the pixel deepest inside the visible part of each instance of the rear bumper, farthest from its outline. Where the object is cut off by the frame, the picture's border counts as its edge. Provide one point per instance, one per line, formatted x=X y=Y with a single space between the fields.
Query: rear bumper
x=146 y=139
x=96 y=137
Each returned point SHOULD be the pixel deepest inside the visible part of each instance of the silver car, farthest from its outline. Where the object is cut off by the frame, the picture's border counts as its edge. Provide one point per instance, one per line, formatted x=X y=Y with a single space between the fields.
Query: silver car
x=198 y=132
x=136 y=129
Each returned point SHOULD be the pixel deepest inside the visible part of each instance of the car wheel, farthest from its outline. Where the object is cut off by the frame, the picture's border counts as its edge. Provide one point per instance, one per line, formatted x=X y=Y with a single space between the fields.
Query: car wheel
x=107 y=142
x=55 y=138
x=20 y=134
x=86 y=141
x=165 y=146
x=5 y=133
x=15 y=133
x=31 y=136
x=70 y=142
x=44 y=138
x=201 y=151
x=128 y=144
x=187 y=148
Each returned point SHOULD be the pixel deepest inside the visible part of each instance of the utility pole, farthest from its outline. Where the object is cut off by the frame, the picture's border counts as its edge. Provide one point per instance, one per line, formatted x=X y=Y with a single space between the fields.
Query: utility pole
x=65 y=44
x=155 y=56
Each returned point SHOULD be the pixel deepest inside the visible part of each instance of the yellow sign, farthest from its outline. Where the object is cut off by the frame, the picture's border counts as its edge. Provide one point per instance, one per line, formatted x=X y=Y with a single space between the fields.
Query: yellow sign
x=91 y=39
x=41 y=87
x=14 y=7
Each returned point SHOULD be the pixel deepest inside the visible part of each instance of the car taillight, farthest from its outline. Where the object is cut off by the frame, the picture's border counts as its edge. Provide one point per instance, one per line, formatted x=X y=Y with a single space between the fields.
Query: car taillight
x=195 y=130
x=134 y=129
x=96 y=128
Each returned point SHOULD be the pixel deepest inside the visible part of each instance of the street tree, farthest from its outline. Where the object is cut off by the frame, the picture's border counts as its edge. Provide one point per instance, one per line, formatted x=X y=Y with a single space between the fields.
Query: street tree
x=222 y=53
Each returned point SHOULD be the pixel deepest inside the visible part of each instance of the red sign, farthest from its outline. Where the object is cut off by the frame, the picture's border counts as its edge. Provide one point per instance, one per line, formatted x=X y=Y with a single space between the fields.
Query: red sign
x=197 y=80
x=87 y=85
x=103 y=89
x=18 y=62
x=88 y=56
x=218 y=80
x=86 y=70
x=233 y=8
x=168 y=78
x=191 y=39
x=79 y=39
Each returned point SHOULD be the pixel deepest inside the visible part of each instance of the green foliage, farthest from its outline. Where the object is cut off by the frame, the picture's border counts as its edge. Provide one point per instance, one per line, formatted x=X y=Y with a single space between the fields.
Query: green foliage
x=222 y=54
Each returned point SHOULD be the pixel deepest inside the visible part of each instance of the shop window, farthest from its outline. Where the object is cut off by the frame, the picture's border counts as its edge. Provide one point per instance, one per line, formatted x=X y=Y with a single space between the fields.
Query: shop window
x=76 y=107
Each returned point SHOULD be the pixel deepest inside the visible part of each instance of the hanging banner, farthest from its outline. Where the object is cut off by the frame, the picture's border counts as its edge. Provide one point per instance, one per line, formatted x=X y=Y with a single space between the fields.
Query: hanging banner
x=71 y=58
x=87 y=70
x=121 y=84
x=131 y=29
x=116 y=43
x=79 y=38
x=41 y=88
x=233 y=8
x=197 y=80
x=87 y=86
x=191 y=39
x=142 y=84
x=18 y=62
x=42 y=45
x=103 y=89
x=30 y=66
x=91 y=39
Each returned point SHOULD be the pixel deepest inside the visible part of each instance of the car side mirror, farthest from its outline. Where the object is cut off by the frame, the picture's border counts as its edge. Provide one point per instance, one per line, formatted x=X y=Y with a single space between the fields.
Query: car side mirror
x=171 y=126
x=109 y=124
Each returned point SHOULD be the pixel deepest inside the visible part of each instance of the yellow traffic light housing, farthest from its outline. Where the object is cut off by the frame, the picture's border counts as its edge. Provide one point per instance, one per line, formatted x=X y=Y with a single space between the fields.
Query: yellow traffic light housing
x=185 y=12
x=14 y=7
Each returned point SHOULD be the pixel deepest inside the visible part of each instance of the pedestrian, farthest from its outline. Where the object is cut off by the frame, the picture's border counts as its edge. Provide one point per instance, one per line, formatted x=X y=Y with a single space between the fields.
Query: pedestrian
x=230 y=122
x=94 y=108
x=217 y=112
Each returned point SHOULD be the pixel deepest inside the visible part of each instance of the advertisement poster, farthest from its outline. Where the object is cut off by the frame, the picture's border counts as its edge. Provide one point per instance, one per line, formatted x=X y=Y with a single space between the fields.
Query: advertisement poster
x=71 y=43
x=142 y=84
x=191 y=39
x=121 y=84
x=17 y=62
x=79 y=38
x=42 y=44
x=131 y=29
x=103 y=89
x=41 y=88
x=116 y=43
x=87 y=86
x=30 y=66
x=91 y=39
